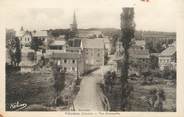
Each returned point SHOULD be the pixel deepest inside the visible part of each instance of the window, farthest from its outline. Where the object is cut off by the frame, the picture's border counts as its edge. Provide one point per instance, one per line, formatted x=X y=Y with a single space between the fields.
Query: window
x=65 y=61
x=98 y=54
x=65 y=69
x=73 y=61
x=59 y=62
x=73 y=68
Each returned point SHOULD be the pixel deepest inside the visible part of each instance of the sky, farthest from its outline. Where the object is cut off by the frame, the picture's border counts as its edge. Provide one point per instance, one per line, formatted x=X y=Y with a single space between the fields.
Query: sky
x=157 y=15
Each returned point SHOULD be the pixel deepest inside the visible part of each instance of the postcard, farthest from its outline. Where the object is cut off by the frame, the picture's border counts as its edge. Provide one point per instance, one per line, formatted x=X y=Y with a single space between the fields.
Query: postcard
x=92 y=58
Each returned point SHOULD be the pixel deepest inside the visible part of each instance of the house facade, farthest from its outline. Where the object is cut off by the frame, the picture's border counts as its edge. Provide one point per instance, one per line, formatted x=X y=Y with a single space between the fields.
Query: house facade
x=27 y=63
x=26 y=37
x=107 y=44
x=140 y=56
x=93 y=51
x=70 y=62
x=40 y=34
x=167 y=58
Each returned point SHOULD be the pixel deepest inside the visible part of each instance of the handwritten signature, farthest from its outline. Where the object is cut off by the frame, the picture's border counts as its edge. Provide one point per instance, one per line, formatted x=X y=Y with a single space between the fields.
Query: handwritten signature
x=18 y=106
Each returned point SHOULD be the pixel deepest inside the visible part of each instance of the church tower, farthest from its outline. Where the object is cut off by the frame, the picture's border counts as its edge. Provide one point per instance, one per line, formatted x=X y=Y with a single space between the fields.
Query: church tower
x=74 y=27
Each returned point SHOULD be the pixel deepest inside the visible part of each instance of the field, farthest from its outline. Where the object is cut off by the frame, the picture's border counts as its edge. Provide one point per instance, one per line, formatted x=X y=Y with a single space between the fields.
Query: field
x=140 y=91
x=33 y=89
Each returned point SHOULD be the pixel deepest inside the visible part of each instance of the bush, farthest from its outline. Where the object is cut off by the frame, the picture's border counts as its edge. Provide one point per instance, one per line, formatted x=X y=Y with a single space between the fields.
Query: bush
x=169 y=74
x=31 y=56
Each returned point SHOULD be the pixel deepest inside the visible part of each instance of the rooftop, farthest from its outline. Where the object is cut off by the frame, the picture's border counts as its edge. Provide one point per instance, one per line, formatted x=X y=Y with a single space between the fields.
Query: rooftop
x=140 y=42
x=93 y=43
x=27 y=63
x=58 y=43
x=139 y=53
x=106 y=40
x=168 y=51
x=65 y=55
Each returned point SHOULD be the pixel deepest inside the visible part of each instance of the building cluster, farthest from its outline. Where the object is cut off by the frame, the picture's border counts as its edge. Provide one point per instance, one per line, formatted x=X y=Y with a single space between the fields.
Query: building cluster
x=167 y=58
x=138 y=53
x=79 y=54
x=86 y=49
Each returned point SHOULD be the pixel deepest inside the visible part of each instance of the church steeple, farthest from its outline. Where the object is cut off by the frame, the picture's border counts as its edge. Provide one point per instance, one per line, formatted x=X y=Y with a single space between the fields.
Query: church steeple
x=74 y=20
x=74 y=27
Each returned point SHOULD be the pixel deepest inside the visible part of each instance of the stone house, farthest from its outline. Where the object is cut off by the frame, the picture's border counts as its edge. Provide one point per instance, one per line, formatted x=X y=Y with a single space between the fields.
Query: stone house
x=167 y=58
x=107 y=45
x=26 y=37
x=93 y=51
x=139 y=55
x=27 y=63
x=68 y=61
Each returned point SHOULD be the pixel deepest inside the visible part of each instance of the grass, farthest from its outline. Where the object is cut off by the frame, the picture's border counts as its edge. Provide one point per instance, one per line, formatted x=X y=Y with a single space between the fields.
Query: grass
x=137 y=100
x=29 y=88
x=34 y=88
x=141 y=91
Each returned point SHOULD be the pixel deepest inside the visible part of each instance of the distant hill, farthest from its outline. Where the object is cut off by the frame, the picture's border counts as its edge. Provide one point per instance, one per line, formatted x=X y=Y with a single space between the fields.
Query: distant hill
x=114 y=31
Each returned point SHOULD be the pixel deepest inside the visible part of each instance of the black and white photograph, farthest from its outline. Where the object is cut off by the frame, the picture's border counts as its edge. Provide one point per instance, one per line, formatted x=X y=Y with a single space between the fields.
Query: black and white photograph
x=89 y=56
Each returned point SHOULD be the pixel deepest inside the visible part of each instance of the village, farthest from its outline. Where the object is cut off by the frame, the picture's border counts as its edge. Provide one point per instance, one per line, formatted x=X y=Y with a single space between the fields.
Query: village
x=80 y=69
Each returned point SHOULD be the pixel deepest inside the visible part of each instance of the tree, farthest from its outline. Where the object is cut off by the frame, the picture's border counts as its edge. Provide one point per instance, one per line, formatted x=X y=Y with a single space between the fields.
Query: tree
x=36 y=43
x=59 y=80
x=17 y=52
x=11 y=50
x=14 y=49
x=154 y=62
x=127 y=33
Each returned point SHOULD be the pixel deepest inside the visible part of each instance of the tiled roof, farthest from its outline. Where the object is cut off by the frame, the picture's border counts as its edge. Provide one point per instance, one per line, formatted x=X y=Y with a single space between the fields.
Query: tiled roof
x=140 y=42
x=168 y=51
x=65 y=55
x=58 y=43
x=93 y=43
x=139 y=53
x=27 y=63
x=155 y=54
x=73 y=49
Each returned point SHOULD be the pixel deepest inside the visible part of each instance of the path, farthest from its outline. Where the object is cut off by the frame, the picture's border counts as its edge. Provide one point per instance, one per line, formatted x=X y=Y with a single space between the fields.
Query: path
x=88 y=98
